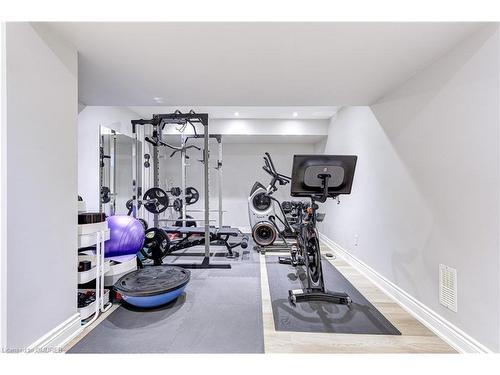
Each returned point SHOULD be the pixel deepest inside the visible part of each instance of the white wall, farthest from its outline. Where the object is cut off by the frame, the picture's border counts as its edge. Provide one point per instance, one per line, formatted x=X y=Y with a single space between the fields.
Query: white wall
x=426 y=189
x=3 y=191
x=242 y=166
x=41 y=205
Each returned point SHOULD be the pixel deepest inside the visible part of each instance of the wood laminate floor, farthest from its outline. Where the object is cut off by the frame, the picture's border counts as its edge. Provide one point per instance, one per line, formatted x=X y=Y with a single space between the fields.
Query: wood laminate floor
x=415 y=337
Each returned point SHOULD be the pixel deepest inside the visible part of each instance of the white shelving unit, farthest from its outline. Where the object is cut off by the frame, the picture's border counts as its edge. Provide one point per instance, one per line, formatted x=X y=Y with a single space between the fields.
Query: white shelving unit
x=90 y=235
x=87 y=276
x=82 y=207
x=87 y=234
x=117 y=269
x=104 y=271
x=87 y=311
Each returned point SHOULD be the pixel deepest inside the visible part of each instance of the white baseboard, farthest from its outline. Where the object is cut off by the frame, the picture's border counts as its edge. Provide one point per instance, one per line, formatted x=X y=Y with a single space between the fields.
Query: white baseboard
x=57 y=338
x=451 y=334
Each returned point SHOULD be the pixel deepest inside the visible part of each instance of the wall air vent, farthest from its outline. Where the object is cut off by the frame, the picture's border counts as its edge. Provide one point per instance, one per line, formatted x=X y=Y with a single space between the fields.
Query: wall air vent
x=448 y=287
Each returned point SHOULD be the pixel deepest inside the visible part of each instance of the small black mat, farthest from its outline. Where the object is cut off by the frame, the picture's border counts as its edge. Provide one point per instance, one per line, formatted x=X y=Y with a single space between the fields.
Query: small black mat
x=360 y=318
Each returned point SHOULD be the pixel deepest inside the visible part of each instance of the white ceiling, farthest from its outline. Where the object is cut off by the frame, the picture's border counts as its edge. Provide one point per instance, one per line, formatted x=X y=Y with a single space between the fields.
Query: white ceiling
x=252 y=64
x=254 y=112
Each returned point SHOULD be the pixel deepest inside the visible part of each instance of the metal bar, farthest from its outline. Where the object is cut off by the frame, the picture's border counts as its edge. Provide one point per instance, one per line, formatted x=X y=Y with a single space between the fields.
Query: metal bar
x=183 y=177
x=103 y=307
x=112 y=173
x=134 y=175
x=146 y=172
x=156 y=166
x=198 y=210
x=219 y=170
x=216 y=136
x=192 y=219
x=138 y=163
x=207 y=195
x=101 y=167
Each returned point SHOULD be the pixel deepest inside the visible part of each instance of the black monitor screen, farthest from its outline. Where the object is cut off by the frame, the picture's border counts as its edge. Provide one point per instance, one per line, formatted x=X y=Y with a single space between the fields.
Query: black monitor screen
x=307 y=169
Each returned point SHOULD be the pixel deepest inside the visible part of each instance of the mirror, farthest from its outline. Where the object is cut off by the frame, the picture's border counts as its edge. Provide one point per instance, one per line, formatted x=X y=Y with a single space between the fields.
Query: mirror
x=116 y=170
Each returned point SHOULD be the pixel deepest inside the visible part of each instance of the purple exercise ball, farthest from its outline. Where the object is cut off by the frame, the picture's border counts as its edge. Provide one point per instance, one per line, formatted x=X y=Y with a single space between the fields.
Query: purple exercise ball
x=126 y=236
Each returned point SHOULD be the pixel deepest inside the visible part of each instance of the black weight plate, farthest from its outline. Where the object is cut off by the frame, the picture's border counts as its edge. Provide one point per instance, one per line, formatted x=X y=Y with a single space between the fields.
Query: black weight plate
x=155 y=200
x=129 y=204
x=156 y=244
x=151 y=281
x=175 y=191
x=105 y=198
x=191 y=196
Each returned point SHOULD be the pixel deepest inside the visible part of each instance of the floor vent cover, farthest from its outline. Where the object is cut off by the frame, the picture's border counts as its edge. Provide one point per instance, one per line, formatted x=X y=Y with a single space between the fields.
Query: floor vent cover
x=448 y=287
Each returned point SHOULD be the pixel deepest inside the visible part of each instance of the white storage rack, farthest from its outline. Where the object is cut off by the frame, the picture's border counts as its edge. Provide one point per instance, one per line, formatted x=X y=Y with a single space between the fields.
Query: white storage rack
x=89 y=235
x=104 y=271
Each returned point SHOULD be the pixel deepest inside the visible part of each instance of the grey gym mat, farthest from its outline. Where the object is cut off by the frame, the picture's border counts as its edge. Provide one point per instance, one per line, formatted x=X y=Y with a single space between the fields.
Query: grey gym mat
x=360 y=318
x=220 y=312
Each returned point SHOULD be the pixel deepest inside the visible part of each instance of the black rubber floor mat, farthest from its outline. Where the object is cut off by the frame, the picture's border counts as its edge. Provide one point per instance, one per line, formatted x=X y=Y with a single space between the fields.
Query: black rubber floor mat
x=360 y=318
x=219 y=312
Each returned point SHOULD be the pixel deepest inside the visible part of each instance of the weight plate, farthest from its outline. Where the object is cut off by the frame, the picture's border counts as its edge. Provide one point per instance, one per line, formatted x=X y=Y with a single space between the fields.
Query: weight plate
x=175 y=191
x=155 y=200
x=191 y=196
x=156 y=244
x=105 y=194
x=129 y=204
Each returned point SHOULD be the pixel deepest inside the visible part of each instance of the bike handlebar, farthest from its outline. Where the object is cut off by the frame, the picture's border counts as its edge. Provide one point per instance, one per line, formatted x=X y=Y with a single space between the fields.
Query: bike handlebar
x=271 y=170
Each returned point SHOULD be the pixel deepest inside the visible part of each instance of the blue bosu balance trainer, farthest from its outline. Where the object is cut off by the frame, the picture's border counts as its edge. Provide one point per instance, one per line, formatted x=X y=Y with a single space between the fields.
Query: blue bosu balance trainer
x=153 y=286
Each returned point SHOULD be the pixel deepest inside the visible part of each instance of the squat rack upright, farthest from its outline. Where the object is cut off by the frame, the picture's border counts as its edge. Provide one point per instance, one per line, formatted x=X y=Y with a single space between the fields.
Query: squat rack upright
x=184 y=164
x=178 y=118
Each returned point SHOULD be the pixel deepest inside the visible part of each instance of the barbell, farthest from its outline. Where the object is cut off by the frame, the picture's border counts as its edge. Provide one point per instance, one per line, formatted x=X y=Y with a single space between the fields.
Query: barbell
x=156 y=200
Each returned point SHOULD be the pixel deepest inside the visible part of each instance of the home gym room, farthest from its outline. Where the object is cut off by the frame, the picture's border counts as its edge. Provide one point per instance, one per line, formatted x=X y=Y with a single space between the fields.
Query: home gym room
x=260 y=187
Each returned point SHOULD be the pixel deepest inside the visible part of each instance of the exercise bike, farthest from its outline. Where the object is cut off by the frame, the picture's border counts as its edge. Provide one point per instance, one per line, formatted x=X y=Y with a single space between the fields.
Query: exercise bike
x=269 y=230
x=317 y=177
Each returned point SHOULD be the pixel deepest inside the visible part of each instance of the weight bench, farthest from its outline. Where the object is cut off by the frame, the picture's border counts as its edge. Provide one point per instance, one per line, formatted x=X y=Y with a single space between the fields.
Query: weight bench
x=195 y=236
